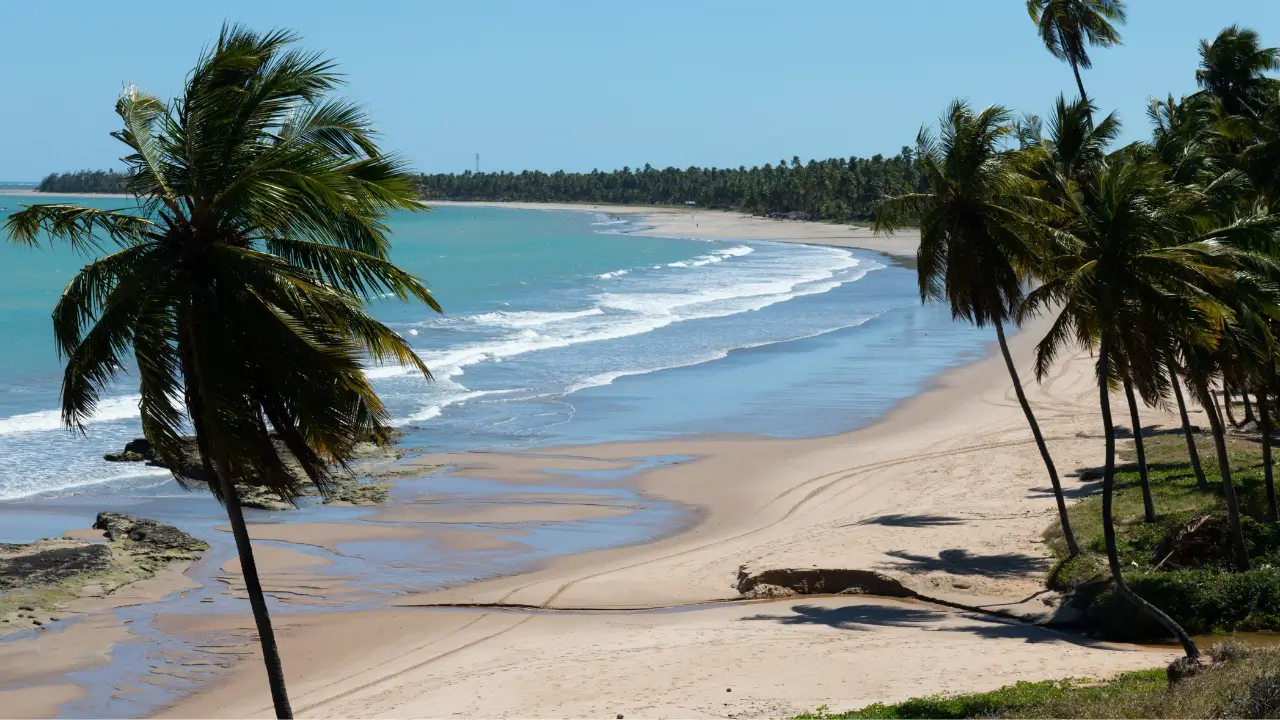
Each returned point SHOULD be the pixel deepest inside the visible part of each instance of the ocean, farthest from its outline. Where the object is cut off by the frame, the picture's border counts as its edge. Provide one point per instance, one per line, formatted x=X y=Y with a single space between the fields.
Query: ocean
x=559 y=327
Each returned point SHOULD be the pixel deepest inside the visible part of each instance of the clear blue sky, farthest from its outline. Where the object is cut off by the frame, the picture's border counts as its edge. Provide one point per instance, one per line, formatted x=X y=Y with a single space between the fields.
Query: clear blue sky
x=577 y=84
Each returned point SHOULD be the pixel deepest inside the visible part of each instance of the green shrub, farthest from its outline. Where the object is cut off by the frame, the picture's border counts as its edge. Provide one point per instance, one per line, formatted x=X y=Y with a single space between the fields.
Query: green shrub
x=1201 y=601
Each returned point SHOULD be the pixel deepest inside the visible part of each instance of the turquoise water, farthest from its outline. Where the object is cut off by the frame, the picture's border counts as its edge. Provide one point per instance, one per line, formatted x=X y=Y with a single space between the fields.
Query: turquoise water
x=559 y=327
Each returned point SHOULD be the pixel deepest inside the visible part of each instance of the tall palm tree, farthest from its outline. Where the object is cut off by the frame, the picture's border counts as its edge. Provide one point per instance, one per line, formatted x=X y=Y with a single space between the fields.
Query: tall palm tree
x=237 y=286
x=971 y=255
x=1193 y=453
x=1069 y=27
x=1118 y=266
x=1233 y=67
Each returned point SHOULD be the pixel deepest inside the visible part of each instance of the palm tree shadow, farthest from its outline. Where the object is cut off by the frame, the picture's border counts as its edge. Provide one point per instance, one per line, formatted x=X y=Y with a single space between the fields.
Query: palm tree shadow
x=855 y=617
x=1080 y=492
x=961 y=562
x=866 y=617
x=908 y=521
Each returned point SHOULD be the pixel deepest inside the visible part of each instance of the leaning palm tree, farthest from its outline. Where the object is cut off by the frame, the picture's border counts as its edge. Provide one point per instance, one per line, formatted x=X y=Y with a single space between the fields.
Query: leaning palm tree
x=1116 y=266
x=1069 y=27
x=237 y=286
x=971 y=255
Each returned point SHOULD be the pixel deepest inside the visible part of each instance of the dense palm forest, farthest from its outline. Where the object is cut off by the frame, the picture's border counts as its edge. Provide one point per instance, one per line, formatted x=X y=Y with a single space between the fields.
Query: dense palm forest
x=1161 y=259
x=83 y=181
x=835 y=189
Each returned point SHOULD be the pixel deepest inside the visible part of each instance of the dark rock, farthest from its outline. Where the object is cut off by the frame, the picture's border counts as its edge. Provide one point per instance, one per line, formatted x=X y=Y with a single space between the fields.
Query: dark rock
x=261 y=498
x=355 y=492
x=41 y=564
x=823 y=582
x=1183 y=668
x=136 y=450
x=144 y=534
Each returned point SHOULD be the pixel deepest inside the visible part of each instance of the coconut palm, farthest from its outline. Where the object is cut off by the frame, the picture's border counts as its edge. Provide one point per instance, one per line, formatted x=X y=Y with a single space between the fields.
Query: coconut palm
x=1069 y=27
x=237 y=286
x=1118 y=266
x=1233 y=67
x=970 y=254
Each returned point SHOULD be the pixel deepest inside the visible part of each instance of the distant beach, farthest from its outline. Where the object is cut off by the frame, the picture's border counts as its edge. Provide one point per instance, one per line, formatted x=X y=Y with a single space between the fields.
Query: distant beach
x=727 y=224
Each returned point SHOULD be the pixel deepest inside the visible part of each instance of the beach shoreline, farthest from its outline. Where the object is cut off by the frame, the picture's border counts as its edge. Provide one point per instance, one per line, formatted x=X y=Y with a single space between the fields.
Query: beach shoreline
x=944 y=495
x=923 y=496
x=703 y=223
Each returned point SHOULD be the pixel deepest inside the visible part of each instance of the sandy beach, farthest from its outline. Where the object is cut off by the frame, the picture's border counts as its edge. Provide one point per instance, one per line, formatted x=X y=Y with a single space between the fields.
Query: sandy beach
x=942 y=501
x=945 y=496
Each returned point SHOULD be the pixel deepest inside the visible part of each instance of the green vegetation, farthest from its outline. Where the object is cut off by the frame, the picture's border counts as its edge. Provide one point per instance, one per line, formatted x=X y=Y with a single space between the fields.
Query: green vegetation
x=84 y=181
x=837 y=189
x=238 y=290
x=1182 y=563
x=1242 y=682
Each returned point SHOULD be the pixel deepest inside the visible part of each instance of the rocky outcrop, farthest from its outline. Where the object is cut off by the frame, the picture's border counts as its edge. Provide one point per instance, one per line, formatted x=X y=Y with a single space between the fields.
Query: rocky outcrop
x=814 y=581
x=49 y=562
x=38 y=578
x=143 y=535
x=347 y=490
x=353 y=491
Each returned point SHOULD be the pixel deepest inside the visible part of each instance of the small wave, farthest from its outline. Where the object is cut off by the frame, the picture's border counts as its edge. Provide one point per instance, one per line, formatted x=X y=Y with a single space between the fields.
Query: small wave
x=434 y=411
x=614 y=274
x=608 y=378
x=713 y=257
x=28 y=488
x=116 y=408
x=529 y=318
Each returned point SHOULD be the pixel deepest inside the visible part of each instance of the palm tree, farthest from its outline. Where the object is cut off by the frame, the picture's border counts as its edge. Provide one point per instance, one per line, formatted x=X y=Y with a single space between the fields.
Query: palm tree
x=1118 y=266
x=1233 y=67
x=238 y=285
x=1193 y=453
x=1069 y=27
x=970 y=254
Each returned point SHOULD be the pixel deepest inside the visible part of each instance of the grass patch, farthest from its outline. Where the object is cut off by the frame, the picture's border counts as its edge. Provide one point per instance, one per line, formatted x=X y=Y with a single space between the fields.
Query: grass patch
x=1181 y=562
x=1242 y=683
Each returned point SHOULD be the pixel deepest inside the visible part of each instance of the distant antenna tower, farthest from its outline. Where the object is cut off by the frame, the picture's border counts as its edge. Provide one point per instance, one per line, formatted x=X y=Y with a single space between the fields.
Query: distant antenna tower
x=477 y=163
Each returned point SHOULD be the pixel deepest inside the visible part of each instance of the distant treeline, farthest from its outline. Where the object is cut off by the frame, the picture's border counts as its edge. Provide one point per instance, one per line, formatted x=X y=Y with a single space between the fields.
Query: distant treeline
x=835 y=189
x=84 y=181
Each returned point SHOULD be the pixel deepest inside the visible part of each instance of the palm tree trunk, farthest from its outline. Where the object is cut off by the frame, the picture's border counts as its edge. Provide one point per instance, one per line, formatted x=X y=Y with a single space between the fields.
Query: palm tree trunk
x=1109 y=524
x=1148 y=505
x=1248 y=408
x=266 y=635
x=1068 y=535
x=1226 y=405
x=1192 y=452
x=1264 y=417
x=1239 y=553
x=1079 y=83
